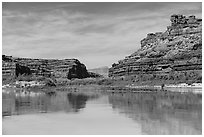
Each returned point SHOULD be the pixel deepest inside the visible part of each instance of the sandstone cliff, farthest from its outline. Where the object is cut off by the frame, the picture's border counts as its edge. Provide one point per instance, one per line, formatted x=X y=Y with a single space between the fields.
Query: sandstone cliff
x=67 y=68
x=175 y=54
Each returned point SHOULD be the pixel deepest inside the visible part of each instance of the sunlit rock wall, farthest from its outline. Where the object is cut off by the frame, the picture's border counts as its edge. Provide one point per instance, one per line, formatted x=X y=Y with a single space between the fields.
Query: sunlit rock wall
x=171 y=55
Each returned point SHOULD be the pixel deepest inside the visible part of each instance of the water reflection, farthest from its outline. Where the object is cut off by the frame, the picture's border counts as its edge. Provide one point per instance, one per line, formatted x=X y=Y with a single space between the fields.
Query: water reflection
x=77 y=101
x=26 y=102
x=160 y=113
x=132 y=113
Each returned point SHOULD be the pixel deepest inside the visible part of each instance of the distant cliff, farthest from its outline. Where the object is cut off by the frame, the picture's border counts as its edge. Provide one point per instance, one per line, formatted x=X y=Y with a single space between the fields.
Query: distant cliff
x=175 y=54
x=66 y=68
x=102 y=71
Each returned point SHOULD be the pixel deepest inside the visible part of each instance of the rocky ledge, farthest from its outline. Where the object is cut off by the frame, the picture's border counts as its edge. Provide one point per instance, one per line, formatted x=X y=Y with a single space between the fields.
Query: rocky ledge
x=175 y=54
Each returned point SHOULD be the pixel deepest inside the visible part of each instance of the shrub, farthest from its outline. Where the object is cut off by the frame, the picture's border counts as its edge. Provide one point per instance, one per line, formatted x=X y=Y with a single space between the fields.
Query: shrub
x=49 y=82
x=25 y=78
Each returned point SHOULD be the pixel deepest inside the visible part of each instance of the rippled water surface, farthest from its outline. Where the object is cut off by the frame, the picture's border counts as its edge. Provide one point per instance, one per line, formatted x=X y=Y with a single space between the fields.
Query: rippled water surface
x=95 y=112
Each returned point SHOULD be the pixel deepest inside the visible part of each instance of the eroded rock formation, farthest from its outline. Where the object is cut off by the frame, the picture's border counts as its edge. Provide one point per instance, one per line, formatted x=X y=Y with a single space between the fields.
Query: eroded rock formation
x=175 y=54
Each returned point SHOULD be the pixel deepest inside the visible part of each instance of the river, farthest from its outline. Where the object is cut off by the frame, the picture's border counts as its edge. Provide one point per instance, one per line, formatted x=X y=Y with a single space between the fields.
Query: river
x=100 y=113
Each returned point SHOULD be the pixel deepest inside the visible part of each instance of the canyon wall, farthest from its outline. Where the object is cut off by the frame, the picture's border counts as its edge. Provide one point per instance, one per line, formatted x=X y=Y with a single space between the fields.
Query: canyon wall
x=66 y=68
x=175 y=54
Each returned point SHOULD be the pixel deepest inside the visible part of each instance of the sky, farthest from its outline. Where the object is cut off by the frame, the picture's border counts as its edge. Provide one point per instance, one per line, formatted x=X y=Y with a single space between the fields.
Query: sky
x=98 y=34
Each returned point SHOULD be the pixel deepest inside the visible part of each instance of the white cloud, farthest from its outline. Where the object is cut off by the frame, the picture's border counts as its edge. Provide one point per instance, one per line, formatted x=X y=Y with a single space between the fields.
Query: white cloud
x=97 y=39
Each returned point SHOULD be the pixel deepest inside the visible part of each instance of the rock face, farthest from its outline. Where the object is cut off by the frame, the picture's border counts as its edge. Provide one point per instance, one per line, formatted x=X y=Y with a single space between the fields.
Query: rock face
x=175 y=54
x=67 y=68
x=8 y=69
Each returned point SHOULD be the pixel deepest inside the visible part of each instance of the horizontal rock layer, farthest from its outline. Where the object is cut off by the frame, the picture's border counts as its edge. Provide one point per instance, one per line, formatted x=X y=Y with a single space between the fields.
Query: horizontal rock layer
x=173 y=54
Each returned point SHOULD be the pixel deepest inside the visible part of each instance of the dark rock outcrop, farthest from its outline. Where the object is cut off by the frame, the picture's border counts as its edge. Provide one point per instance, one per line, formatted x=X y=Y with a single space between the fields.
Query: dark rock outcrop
x=175 y=54
x=20 y=70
